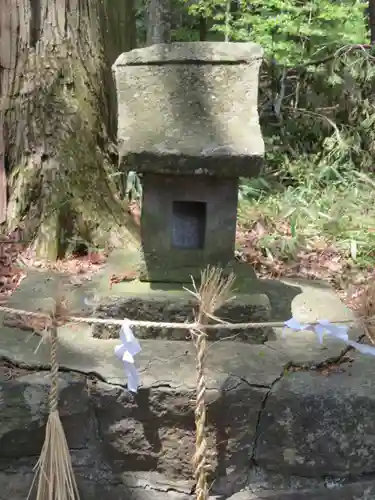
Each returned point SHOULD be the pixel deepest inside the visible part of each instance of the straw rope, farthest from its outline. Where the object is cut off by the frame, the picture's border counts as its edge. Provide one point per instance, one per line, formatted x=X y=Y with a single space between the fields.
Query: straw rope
x=54 y=472
x=53 y=396
x=223 y=325
x=200 y=455
x=214 y=292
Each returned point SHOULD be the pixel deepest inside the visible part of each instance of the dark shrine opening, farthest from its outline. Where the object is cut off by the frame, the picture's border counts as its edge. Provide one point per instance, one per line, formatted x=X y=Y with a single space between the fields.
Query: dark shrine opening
x=188 y=224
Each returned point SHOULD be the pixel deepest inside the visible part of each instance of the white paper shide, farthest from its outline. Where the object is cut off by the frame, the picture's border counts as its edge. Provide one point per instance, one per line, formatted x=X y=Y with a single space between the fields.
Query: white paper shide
x=126 y=351
x=325 y=327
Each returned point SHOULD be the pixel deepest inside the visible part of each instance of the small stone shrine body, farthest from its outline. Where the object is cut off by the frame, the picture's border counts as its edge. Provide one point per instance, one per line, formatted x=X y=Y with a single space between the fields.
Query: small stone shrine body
x=188 y=124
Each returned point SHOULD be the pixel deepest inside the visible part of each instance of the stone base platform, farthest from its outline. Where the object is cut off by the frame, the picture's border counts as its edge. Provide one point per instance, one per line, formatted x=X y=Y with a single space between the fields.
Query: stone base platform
x=162 y=302
x=164 y=298
x=288 y=419
x=273 y=433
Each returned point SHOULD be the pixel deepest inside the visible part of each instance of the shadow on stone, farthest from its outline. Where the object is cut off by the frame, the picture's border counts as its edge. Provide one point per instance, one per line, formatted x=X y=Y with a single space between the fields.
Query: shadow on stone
x=25 y=411
x=146 y=417
x=153 y=431
x=93 y=483
x=281 y=296
x=235 y=420
x=254 y=301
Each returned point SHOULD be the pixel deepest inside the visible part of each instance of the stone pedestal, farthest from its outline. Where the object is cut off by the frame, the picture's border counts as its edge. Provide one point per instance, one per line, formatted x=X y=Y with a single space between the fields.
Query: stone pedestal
x=168 y=301
x=146 y=304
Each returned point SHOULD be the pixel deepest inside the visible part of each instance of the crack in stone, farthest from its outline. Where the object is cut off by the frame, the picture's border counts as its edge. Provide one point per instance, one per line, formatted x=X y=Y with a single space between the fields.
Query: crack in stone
x=158 y=385
x=260 y=413
x=350 y=479
x=161 y=360
x=328 y=482
x=167 y=489
x=64 y=369
x=341 y=359
x=43 y=367
x=250 y=384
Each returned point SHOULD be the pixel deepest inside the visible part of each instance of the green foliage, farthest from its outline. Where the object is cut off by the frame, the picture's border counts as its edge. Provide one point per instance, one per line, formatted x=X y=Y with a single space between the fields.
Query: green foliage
x=303 y=218
x=316 y=87
x=290 y=31
x=317 y=112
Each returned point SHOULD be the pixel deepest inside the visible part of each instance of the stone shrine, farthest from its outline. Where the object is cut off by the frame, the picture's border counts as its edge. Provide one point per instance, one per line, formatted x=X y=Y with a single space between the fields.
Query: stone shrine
x=288 y=418
x=188 y=124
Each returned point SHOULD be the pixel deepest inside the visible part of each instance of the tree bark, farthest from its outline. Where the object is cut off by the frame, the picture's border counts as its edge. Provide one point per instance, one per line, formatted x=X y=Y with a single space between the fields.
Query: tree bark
x=159 y=21
x=203 y=29
x=58 y=110
x=3 y=178
x=371 y=20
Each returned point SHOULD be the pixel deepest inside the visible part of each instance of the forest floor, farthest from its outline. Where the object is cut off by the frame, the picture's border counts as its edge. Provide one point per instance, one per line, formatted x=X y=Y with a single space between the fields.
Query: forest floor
x=316 y=233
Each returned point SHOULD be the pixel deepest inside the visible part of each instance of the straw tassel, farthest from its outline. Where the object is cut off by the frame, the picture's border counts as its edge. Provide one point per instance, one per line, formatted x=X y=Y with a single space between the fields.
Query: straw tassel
x=54 y=472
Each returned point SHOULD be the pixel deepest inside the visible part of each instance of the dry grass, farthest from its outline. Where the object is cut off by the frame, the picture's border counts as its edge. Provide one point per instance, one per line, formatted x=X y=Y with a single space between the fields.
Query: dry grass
x=56 y=477
x=214 y=291
x=54 y=472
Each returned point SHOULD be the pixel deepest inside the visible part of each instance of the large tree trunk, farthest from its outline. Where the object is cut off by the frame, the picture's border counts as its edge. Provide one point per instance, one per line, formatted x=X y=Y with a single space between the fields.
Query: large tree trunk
x=371 y=20
x=158 y=21
x=58 y=107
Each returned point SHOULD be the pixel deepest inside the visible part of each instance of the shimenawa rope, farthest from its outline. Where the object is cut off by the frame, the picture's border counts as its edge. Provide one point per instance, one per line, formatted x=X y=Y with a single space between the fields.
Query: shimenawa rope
x=200 y=455
x=178 y=326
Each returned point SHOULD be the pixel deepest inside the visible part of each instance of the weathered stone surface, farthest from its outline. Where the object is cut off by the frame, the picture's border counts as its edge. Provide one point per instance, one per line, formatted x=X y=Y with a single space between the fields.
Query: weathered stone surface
x=315 y=424
x=134 y=264
x=15 y=486
x=38 y=290
x=155 y=429
x=175 y=114
x=161 y=362
x=182 y=275
x=357 y=491
x=174 y=306
x=96 y=486
x=173 y=362
x=274 y=485
x=318 y=428
x=98 y=483
x=24 y=410
x=215 y=52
